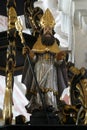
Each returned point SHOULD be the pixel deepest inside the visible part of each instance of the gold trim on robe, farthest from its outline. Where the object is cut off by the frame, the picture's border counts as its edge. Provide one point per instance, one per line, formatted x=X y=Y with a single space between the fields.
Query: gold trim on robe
x=40 y=48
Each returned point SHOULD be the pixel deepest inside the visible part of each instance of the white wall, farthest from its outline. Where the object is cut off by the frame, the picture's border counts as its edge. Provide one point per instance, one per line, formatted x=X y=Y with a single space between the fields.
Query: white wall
x=80 y=48
x=80 y=32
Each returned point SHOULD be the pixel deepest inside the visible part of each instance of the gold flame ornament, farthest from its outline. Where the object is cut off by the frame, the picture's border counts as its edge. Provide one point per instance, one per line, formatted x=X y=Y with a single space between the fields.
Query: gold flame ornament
x=47 y=19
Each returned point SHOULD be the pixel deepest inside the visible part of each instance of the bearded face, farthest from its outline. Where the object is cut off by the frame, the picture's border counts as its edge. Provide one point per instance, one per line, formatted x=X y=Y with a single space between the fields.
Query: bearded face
x=47 y=39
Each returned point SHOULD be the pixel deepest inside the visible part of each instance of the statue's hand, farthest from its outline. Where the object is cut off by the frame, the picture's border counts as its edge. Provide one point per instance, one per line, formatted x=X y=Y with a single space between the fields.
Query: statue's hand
x=61 y=55
x=25 y=50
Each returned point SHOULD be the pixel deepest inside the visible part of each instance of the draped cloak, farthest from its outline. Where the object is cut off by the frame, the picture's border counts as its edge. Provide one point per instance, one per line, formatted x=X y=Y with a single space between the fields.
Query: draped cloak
x=51 y=76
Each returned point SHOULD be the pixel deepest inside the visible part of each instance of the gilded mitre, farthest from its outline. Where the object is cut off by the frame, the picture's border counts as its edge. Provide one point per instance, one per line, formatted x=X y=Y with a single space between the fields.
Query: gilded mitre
x=47 y=19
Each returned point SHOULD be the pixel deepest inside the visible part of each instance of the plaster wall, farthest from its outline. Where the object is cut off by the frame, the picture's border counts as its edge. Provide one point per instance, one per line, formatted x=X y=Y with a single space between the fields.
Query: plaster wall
x=80 y=48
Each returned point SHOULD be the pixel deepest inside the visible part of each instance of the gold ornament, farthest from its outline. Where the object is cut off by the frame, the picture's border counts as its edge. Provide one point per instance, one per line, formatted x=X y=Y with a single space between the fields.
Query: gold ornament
x=12 y=12
x=47 y=19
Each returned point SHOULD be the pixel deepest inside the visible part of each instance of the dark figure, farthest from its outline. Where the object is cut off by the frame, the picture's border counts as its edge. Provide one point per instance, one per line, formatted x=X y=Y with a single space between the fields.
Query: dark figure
x=48 y=63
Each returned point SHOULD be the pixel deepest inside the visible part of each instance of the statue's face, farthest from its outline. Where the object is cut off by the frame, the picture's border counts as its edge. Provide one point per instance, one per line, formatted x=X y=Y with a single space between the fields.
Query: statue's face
x=47 y=37
x=47 y=31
